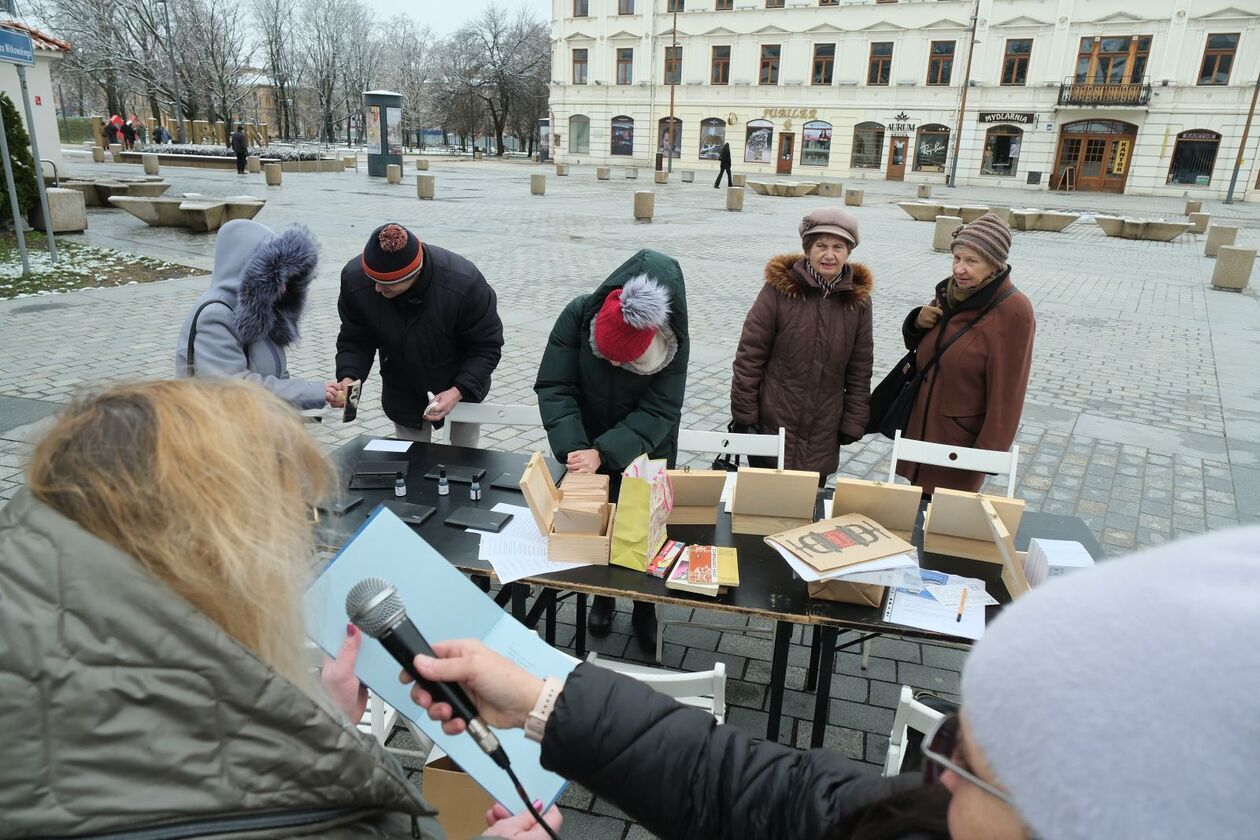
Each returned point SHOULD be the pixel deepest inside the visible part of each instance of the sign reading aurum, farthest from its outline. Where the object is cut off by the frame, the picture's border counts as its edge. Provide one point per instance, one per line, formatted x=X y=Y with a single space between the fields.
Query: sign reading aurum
x=902 y=124
x=1007 y=117
x=796 y=113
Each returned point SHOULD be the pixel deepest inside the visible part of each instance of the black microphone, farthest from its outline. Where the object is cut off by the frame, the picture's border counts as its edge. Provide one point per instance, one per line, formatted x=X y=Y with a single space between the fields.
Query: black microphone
x=376 y=608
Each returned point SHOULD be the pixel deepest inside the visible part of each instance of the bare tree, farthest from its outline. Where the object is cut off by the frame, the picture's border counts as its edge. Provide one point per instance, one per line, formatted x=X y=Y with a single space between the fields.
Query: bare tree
x=277 y=48
x=407 y=66
x=218 y=66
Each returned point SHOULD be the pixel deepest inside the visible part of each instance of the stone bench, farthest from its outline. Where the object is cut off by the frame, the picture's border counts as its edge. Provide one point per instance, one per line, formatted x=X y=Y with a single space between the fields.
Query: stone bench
x=927 y=211
x=790 y=189
x=1047 y=220
x=66 y=208
x=98 y=192
x=199 y=213
x=1150 y=230
x=830 y=189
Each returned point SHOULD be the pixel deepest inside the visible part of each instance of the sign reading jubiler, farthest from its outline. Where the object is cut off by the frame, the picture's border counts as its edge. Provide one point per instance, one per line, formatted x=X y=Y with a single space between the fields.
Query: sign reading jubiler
x=1007 y=117
x=16 y=47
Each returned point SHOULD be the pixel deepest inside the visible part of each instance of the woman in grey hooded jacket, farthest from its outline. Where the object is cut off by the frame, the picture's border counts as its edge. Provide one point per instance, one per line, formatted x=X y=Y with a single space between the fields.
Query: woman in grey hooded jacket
x=242 y=324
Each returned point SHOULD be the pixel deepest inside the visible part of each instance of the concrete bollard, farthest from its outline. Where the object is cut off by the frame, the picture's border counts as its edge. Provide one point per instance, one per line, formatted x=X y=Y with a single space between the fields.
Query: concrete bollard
x=150 y=162
x=1199 y=222
x=1233 y=268
x=688 y=176
x=562 y=169
x=271 y=171
x=603 y=173
x=644 y=205
x=115 y=152
x=253 y=164
x=1194 y=207
x=537 y=184
x=661 y=177
x=1217 y=236
x=632 y=172
x=830 y=189
x=739 y=180
x=348 y=162
x=735 y=199
x=98 y=154
x=925 y=191
x=422 y=164
x=943 y=235
x=853 y=198
x=426 y=187
x=1004 y=213
x=393 y=173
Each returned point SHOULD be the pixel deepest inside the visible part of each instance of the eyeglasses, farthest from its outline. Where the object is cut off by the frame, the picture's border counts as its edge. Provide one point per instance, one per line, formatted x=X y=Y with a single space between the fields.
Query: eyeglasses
x=942 y=749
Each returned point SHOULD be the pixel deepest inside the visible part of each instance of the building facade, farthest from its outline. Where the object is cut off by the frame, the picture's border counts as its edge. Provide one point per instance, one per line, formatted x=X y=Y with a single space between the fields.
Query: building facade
x=1092 y=95
x=39 y=83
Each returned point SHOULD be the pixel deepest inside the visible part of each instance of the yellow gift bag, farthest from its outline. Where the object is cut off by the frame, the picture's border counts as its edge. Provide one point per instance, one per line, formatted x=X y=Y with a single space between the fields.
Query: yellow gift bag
x=642 y=508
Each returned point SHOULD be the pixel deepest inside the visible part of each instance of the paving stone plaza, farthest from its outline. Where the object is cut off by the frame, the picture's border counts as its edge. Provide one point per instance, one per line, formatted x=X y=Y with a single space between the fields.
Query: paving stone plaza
x=1142 y=416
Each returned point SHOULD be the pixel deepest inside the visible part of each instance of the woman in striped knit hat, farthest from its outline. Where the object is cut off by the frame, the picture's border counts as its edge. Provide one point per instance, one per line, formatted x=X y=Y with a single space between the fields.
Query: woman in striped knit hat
x=973 y=395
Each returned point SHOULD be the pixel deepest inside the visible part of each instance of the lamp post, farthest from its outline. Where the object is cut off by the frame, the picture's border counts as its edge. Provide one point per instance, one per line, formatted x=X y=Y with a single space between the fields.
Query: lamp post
x=170 y=52
x=1242 y=144
x=675 y=71
x=952 y=181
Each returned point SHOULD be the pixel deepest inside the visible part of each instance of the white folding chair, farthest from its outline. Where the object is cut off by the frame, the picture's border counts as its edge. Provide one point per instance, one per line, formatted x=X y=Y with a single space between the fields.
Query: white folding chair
x=911 y=714
x=495 y=414
x=704 y=690
x=958 y=457
x=722 y=443
x=379 y=721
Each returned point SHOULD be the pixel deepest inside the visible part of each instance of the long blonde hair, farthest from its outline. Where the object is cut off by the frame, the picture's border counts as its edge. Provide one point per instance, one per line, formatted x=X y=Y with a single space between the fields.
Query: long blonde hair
x=208 y=484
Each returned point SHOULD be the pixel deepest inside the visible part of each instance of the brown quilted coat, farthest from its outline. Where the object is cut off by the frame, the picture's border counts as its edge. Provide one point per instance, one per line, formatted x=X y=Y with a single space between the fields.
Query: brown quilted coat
x=804 y=362
x=975 y=395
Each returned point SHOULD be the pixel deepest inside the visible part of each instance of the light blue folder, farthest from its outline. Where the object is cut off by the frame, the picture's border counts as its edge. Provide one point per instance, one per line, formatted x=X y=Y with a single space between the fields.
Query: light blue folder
x=443 y=604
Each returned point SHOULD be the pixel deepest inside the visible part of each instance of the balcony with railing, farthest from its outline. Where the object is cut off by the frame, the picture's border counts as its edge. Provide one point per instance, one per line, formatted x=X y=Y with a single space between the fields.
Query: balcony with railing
x=1106 y=95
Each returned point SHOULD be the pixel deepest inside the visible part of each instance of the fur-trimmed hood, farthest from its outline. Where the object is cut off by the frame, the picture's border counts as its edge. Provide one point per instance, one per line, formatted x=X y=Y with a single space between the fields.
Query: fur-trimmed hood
x=253 y=265
x=787 y=274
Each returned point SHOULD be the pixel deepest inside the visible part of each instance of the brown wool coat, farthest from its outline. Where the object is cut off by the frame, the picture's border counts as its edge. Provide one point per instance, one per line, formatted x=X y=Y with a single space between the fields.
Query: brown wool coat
x=975 y=395
x=804 y=362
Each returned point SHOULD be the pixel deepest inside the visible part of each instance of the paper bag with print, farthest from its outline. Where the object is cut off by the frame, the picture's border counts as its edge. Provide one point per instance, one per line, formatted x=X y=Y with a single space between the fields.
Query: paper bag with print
x=842 y=541
x=642 y=508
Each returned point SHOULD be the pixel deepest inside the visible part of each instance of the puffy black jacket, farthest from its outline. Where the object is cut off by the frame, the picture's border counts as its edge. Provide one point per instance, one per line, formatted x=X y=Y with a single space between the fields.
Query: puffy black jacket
x=444 y=331
x=676 y=771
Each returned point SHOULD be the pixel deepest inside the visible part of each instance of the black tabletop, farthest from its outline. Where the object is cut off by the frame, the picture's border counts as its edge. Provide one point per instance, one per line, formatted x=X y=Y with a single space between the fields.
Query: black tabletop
x=768 y=587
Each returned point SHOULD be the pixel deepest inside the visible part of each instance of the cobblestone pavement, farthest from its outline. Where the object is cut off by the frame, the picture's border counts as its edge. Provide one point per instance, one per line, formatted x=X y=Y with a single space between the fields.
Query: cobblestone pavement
x=1142 y=417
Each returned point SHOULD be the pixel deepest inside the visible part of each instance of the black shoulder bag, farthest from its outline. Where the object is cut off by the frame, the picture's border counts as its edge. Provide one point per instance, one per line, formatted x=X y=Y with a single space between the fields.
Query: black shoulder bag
x=191 y=365
x=893 y=398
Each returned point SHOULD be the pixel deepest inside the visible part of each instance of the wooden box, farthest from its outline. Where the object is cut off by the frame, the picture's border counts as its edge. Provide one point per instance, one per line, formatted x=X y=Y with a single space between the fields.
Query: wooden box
x=546 y=503
x=978 y=527
x=771 y=501
x=697 y=494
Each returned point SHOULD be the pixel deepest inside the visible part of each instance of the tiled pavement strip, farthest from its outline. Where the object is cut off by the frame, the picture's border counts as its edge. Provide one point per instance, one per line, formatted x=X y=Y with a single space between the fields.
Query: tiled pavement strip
x=1142 y=414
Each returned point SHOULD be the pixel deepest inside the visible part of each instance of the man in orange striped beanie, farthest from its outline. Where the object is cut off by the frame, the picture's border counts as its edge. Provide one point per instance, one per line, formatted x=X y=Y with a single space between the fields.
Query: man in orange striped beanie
x=435 y=322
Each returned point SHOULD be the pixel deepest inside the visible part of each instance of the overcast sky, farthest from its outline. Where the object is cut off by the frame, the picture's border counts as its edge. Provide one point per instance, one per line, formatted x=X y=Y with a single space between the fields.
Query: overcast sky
x=445 y=16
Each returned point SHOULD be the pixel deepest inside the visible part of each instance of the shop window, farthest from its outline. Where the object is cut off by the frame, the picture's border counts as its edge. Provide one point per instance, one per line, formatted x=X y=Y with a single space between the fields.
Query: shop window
x=579 y=134
x=721 y=72
x=816 y=143
x=868 y=144
x=673 y=141
x=712 y=136
x=1218 y=59
x=930 y=148
x=622 y=136
x=625 y=66
x=769 y=74
x=824 y=63
x=879 y=68
x=940 y=63
x=1193 y=158
x=1015 y=62
x=758 y=136
x=1001 y=150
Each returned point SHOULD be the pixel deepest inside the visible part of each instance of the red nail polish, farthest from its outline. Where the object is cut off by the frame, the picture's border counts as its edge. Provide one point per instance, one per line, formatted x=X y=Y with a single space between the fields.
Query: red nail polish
x=350 y=629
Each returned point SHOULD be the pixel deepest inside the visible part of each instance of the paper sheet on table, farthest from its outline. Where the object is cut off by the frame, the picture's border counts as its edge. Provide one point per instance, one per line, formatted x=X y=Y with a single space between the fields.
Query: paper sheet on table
x=382 y=445
x=920 y=609
x=896 y=570
x=728 y=491
x=951 y=594
x=443 y=604
x=519 y=550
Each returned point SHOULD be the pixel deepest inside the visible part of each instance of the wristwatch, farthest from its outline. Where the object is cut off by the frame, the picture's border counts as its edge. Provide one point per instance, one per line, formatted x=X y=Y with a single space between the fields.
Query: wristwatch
x=536 y=722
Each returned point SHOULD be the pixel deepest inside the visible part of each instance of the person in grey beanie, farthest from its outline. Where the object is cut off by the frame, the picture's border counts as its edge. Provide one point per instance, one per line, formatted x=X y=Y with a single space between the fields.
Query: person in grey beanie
x=1116 y=702
x=241 y=325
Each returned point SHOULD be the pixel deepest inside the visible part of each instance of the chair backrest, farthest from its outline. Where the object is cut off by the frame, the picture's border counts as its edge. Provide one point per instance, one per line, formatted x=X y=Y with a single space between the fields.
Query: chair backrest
x=910 y=714
x=958 y=457
x=728 y=443
x=701 y=689
x=496 y=414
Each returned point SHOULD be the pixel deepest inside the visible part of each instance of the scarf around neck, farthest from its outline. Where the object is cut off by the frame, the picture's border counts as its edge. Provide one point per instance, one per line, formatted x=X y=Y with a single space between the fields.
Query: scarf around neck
x=956 y=296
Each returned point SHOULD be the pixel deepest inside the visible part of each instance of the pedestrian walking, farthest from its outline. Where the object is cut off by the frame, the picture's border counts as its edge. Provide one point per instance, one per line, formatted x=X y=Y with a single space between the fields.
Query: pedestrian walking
x=724 y=161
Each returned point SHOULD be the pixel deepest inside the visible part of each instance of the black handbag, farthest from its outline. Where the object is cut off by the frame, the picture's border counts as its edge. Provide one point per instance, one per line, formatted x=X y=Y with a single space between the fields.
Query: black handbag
x=893 y=398
x=729 y=462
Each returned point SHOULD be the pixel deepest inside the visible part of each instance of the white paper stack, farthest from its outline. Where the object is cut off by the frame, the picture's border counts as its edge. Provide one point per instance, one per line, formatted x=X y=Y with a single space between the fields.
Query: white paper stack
x=897 y=570
x=936 y=604
x=519 y=550
x=1051 y=558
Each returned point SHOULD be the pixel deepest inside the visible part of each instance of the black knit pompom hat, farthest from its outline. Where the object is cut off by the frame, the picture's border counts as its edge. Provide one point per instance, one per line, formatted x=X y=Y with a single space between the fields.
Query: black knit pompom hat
x=392 y=254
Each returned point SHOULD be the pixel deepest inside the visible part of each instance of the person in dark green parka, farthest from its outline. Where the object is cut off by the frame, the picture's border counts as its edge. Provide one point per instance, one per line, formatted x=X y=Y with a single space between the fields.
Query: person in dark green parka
x=611 y=384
